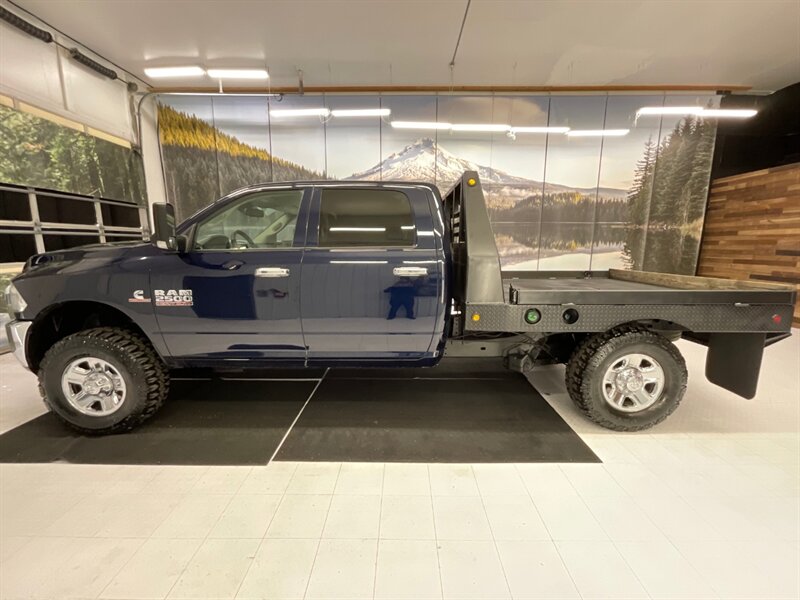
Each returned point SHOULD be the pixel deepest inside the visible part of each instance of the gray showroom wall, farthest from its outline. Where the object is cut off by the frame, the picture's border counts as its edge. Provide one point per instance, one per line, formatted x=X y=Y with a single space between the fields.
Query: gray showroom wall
x=556 y=201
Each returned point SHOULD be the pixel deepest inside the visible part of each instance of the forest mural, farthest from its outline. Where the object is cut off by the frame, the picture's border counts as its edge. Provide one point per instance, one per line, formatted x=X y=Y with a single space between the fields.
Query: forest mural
x=40 y=153
x=554 y=202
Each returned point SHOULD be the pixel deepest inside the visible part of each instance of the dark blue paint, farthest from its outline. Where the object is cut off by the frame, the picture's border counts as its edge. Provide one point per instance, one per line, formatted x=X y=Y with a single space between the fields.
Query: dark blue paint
x=336 y=305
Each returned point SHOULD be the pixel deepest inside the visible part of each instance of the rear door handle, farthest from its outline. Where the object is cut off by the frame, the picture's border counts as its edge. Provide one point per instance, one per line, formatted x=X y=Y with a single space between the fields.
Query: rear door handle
x=272 y=272
x=410 y=271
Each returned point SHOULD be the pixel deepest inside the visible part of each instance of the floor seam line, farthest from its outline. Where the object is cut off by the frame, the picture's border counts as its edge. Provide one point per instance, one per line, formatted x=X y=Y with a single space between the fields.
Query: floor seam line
x=322 y=531
x=491 y=531
x=435 y=531
x=378 y=541
x=297 y=418
x=264 y=538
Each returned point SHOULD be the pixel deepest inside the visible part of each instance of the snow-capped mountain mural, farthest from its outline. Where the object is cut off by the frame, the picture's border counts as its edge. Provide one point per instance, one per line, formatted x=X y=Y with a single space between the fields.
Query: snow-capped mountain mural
x=425 y=160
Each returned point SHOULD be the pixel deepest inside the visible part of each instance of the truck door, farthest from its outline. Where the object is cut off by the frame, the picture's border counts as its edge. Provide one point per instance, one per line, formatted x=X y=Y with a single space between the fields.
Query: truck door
x=236 y=293
x=372 y=274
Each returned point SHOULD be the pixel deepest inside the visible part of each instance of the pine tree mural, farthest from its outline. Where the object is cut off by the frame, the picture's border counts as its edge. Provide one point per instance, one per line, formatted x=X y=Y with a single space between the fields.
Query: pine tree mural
x=44 y=154
x=667 y=201
x=203 y=163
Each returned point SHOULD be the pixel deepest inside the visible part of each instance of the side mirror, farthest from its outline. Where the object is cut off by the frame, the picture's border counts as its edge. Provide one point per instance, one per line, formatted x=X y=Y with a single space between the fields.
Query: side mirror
x=164 y=226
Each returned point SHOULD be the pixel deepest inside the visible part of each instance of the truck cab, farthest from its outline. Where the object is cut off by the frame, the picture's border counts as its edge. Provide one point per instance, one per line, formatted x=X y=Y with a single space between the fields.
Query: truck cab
x=307 y=274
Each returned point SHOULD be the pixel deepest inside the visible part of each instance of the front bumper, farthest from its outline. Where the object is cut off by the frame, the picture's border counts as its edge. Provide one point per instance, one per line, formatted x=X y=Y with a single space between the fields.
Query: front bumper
x=17 y=333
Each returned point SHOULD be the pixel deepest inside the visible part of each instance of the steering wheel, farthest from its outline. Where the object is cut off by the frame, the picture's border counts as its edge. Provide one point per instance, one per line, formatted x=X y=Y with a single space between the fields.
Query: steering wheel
x=247 y=239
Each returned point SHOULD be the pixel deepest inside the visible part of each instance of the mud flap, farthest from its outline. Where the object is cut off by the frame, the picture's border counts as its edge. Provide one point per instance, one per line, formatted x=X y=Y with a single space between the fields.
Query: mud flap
x=734 y=361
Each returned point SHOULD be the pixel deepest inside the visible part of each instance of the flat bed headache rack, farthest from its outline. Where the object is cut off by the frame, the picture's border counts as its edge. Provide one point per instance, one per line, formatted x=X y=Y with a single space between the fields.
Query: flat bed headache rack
x=719 y=313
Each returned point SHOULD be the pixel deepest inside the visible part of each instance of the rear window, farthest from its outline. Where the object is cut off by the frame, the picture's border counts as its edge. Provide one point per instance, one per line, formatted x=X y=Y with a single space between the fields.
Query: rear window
x=365 y=218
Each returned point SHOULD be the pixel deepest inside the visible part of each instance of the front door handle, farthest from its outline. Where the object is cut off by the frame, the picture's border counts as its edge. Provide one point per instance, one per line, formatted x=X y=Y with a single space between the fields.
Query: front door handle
x=410 y=271
x=232 y=265
x=272 y=272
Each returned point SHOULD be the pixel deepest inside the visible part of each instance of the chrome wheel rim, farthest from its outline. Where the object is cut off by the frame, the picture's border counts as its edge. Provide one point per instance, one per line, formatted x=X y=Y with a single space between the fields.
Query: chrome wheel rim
x=633 y=383
x=93 y=386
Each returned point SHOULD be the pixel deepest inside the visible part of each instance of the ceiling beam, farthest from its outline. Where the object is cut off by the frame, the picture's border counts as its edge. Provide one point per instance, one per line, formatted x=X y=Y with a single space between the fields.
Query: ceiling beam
x=358 y=89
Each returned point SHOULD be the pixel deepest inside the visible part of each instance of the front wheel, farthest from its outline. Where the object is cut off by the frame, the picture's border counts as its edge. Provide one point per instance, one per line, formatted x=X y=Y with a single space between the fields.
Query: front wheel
x=627 y=379
x=103 y=380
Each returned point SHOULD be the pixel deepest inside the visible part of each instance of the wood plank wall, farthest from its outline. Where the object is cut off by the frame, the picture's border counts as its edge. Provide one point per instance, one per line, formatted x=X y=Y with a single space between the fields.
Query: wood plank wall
x=752 y=228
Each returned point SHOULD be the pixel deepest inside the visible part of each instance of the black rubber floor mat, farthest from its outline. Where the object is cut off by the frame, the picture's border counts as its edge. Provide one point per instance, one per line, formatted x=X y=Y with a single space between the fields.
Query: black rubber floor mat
x=202 y=423
x=432 y=420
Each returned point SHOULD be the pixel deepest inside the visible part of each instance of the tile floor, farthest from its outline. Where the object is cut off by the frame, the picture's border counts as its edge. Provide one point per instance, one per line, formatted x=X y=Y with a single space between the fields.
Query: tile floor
x=705 y=506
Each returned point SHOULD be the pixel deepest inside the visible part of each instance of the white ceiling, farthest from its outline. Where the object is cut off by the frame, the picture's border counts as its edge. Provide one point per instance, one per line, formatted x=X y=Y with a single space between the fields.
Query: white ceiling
x=410 y=42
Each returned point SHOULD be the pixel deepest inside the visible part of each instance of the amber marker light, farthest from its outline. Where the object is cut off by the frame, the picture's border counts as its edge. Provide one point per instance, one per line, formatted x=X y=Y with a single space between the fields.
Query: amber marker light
x=476 y=317
x=471 y=182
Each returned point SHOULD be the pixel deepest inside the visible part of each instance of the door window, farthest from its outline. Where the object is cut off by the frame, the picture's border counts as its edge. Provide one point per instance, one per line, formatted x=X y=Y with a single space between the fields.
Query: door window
x=260 y=220
x=363 y=217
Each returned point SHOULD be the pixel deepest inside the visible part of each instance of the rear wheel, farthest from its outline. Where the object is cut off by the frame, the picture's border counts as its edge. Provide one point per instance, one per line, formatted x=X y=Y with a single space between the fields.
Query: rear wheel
x=103 y=380
x=627 y=379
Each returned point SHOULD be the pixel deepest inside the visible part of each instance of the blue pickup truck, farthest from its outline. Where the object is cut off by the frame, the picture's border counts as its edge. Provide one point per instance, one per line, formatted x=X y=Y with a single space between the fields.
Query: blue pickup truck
x=309 y=274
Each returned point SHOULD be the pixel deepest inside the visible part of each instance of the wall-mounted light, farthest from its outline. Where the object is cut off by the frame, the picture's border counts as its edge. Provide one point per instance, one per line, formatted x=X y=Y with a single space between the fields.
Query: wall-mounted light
x=361 y=112
x=732 y=113
x=23 y=25
x=299 y=112
x=238 y=74
x=539 y=129
x=79 y=57
x=419 y=125
x=597 y=132
x=164 y=72
x=488 y=127
x=669 y=110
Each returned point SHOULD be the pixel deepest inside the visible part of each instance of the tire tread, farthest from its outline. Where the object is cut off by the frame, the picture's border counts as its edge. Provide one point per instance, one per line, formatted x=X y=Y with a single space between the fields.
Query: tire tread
x=136 y=347
x=578 y=366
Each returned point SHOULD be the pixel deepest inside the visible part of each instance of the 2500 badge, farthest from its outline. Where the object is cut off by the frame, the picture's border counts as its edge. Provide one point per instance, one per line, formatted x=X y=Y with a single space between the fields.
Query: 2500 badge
x=173 y=297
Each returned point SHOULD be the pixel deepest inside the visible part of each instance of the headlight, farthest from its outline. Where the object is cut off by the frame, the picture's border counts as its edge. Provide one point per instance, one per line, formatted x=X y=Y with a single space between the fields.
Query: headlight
x=16 y=303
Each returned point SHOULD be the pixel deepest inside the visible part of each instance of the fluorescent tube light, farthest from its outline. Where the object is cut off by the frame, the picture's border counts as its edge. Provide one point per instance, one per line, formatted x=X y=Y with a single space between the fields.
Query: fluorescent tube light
x=359 y=229
x=362 y=112
x=420 y=125
x=299 y=112
x=597 y=132
x=733 y=113
x=158 y=72
x=238 y=74
x=479 y=127
x=669 y=110
x=539 y=129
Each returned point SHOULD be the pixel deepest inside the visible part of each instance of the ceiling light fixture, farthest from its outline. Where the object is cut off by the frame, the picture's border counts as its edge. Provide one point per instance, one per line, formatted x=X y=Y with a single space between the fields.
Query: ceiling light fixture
x=489 y=127
x=597 y=132
x=420 y=125
x=238 y=73
x=669 y=110
x=733 y=113
x=359 y=229
x=164 y=72
x=539 y=129
x=299 y=112
x=361 y=112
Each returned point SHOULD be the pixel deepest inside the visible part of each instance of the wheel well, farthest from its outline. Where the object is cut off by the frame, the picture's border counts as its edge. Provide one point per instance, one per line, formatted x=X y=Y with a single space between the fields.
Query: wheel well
x=669 y=329
x=61 y=320
x=559 y=347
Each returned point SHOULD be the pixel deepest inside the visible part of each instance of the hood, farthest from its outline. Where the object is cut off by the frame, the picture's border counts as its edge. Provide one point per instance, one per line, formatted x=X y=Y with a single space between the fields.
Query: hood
x=87 y=257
